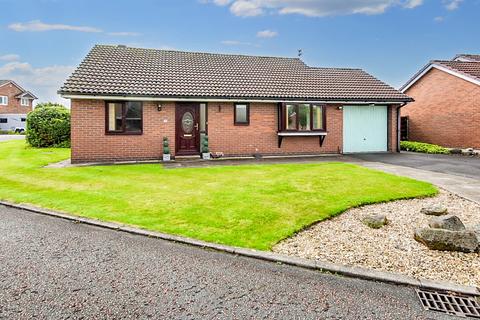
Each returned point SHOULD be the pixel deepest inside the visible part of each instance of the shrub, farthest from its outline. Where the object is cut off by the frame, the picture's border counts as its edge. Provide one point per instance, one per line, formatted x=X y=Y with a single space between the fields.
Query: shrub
x=48 y=125
x=166 y=148
x=205 y=145
x=423 y=147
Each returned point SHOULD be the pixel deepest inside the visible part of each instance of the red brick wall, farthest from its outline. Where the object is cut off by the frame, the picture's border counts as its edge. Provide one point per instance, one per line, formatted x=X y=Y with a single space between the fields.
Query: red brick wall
x=393 y=127
x=446 y=111
x=90 y=143
x=261 y=135
x=14 y=106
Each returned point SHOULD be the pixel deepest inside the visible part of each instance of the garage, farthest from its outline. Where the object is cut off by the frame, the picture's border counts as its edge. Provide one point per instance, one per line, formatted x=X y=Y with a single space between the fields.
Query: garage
x=365 y=129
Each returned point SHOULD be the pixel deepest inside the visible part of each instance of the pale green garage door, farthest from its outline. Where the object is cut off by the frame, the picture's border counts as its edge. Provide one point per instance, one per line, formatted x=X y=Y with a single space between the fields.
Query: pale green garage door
x=364 y=129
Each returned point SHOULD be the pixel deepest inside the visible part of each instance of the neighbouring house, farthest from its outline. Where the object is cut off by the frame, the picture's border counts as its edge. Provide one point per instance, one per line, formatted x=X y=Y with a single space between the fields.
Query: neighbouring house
x=125 y=100
x=446 y=110
x=15 y=103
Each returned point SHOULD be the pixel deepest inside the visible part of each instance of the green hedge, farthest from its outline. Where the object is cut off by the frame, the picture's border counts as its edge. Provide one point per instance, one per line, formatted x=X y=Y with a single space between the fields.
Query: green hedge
x=423 y=147
x=48 y=125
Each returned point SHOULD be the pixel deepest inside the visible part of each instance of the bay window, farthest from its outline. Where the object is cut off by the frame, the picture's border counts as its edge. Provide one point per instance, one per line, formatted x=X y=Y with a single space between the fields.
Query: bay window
x=124 y=117
x=302 y=117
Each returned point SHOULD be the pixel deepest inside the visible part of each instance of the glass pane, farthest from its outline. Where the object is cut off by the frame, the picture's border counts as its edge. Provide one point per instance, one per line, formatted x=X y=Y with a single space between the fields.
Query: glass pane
x=114 y=116
x=133 y=125
x=304 y=117
x=134 y=110
x=317 y=112
x=187 y=122
x=291 y=120
x=241 y=113
x=203 y=117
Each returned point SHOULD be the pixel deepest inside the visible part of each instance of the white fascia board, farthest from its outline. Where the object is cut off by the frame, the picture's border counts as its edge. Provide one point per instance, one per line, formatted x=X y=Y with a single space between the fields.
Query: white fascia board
x=442 y=68
x=135 y=98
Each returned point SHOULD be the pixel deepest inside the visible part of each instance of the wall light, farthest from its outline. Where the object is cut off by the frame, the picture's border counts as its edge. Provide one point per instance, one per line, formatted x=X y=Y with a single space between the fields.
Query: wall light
x=159 y=107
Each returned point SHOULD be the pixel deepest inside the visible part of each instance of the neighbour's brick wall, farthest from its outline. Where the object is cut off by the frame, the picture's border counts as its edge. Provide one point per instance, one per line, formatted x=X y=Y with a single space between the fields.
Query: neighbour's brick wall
x=261 y=135
x=91 y=143
x=446 y=111
x=14 y=105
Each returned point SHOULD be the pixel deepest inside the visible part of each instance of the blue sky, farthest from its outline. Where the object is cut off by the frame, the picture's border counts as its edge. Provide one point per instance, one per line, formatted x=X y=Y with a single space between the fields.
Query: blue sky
x=43 y=40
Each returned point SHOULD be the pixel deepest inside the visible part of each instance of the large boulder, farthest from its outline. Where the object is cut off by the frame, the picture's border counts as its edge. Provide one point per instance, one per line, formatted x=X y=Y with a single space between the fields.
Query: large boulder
x=374 y=221
x=447 y=240
x=448 y=222
x=435 y=210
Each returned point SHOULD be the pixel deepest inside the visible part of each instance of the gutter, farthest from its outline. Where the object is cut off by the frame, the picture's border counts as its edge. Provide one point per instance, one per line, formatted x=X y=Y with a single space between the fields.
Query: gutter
x=199 y=99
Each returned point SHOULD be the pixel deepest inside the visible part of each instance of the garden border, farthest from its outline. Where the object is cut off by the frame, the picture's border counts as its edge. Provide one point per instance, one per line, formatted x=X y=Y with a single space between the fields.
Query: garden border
x=353 y=272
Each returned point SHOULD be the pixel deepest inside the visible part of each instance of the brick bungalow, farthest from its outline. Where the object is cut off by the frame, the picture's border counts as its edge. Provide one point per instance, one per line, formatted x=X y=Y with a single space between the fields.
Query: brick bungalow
x=125 y=100
x=15 y=103
x=446 y=110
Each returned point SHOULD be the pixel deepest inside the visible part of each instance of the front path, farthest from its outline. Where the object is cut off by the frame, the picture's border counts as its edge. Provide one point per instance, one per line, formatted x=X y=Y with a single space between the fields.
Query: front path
x=8 y=137
x=51 y=268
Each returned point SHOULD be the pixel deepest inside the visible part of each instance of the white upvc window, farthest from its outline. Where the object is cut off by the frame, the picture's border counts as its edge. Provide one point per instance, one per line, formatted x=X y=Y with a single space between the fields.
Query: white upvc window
x=3 y=100
x=24 y=102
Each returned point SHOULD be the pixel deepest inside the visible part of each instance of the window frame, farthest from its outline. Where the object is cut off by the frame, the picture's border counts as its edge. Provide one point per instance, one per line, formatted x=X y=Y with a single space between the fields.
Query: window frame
x=237 y=123
x=23 y=104
x=1 y=101
x=283 y=120
x=124 y=122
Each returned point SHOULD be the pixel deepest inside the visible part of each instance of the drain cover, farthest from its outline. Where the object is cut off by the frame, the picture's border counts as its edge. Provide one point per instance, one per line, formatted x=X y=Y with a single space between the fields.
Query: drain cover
x=454 y=304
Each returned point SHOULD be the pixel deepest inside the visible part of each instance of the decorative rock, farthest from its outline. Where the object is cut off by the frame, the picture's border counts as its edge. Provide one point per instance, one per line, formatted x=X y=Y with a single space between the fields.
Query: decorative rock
x=476 y=229
x=448 y=222
x=435 y=210
x=375 y=221
x=446 y=240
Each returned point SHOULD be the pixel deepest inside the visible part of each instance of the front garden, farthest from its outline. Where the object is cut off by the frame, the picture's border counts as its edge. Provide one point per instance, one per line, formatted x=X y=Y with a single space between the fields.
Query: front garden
x=253 y=206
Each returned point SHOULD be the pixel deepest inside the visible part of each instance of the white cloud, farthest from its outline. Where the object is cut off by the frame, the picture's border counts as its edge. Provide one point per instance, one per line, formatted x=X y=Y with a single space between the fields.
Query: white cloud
x=43 y=82
x=123 y=34
x=452 y=4
x=267 y=34
x=313 y=8
x=438 y=19
x=236 y=43
x=410 y=4
x=10 y=57
x=246 y=8
x=38 y=26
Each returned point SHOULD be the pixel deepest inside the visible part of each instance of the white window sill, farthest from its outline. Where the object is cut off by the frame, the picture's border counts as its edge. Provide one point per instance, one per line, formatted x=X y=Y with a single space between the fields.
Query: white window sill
x=302 y=134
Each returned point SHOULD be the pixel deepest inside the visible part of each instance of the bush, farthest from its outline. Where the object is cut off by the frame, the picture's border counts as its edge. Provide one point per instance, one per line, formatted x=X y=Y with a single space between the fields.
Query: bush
x=423 y=147
x=48 y=125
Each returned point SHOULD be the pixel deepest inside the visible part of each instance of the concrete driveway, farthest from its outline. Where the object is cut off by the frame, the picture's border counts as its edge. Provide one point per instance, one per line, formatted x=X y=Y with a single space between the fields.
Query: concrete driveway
x=8 y=137
x=56 y=269
x=457 y=174
x=464 y=166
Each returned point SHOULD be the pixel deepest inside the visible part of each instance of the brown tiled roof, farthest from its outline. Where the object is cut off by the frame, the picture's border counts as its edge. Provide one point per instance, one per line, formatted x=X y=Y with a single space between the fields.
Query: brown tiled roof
x=470 y=69
x=470 y=57
x=120 y=70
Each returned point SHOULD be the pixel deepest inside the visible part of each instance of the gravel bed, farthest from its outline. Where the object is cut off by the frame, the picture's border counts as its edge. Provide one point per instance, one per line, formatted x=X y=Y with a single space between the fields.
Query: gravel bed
x=345 y=240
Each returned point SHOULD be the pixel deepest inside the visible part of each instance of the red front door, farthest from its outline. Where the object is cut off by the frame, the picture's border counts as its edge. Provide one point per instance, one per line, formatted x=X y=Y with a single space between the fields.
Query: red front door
x=187 y=133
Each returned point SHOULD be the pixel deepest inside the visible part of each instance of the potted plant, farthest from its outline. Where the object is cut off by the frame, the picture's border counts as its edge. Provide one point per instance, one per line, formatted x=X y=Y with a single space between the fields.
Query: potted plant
x=166 y=149
x=205 y=150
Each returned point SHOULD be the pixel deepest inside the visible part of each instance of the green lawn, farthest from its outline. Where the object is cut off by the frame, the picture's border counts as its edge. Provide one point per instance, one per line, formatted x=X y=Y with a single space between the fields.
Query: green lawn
x=250 y=206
